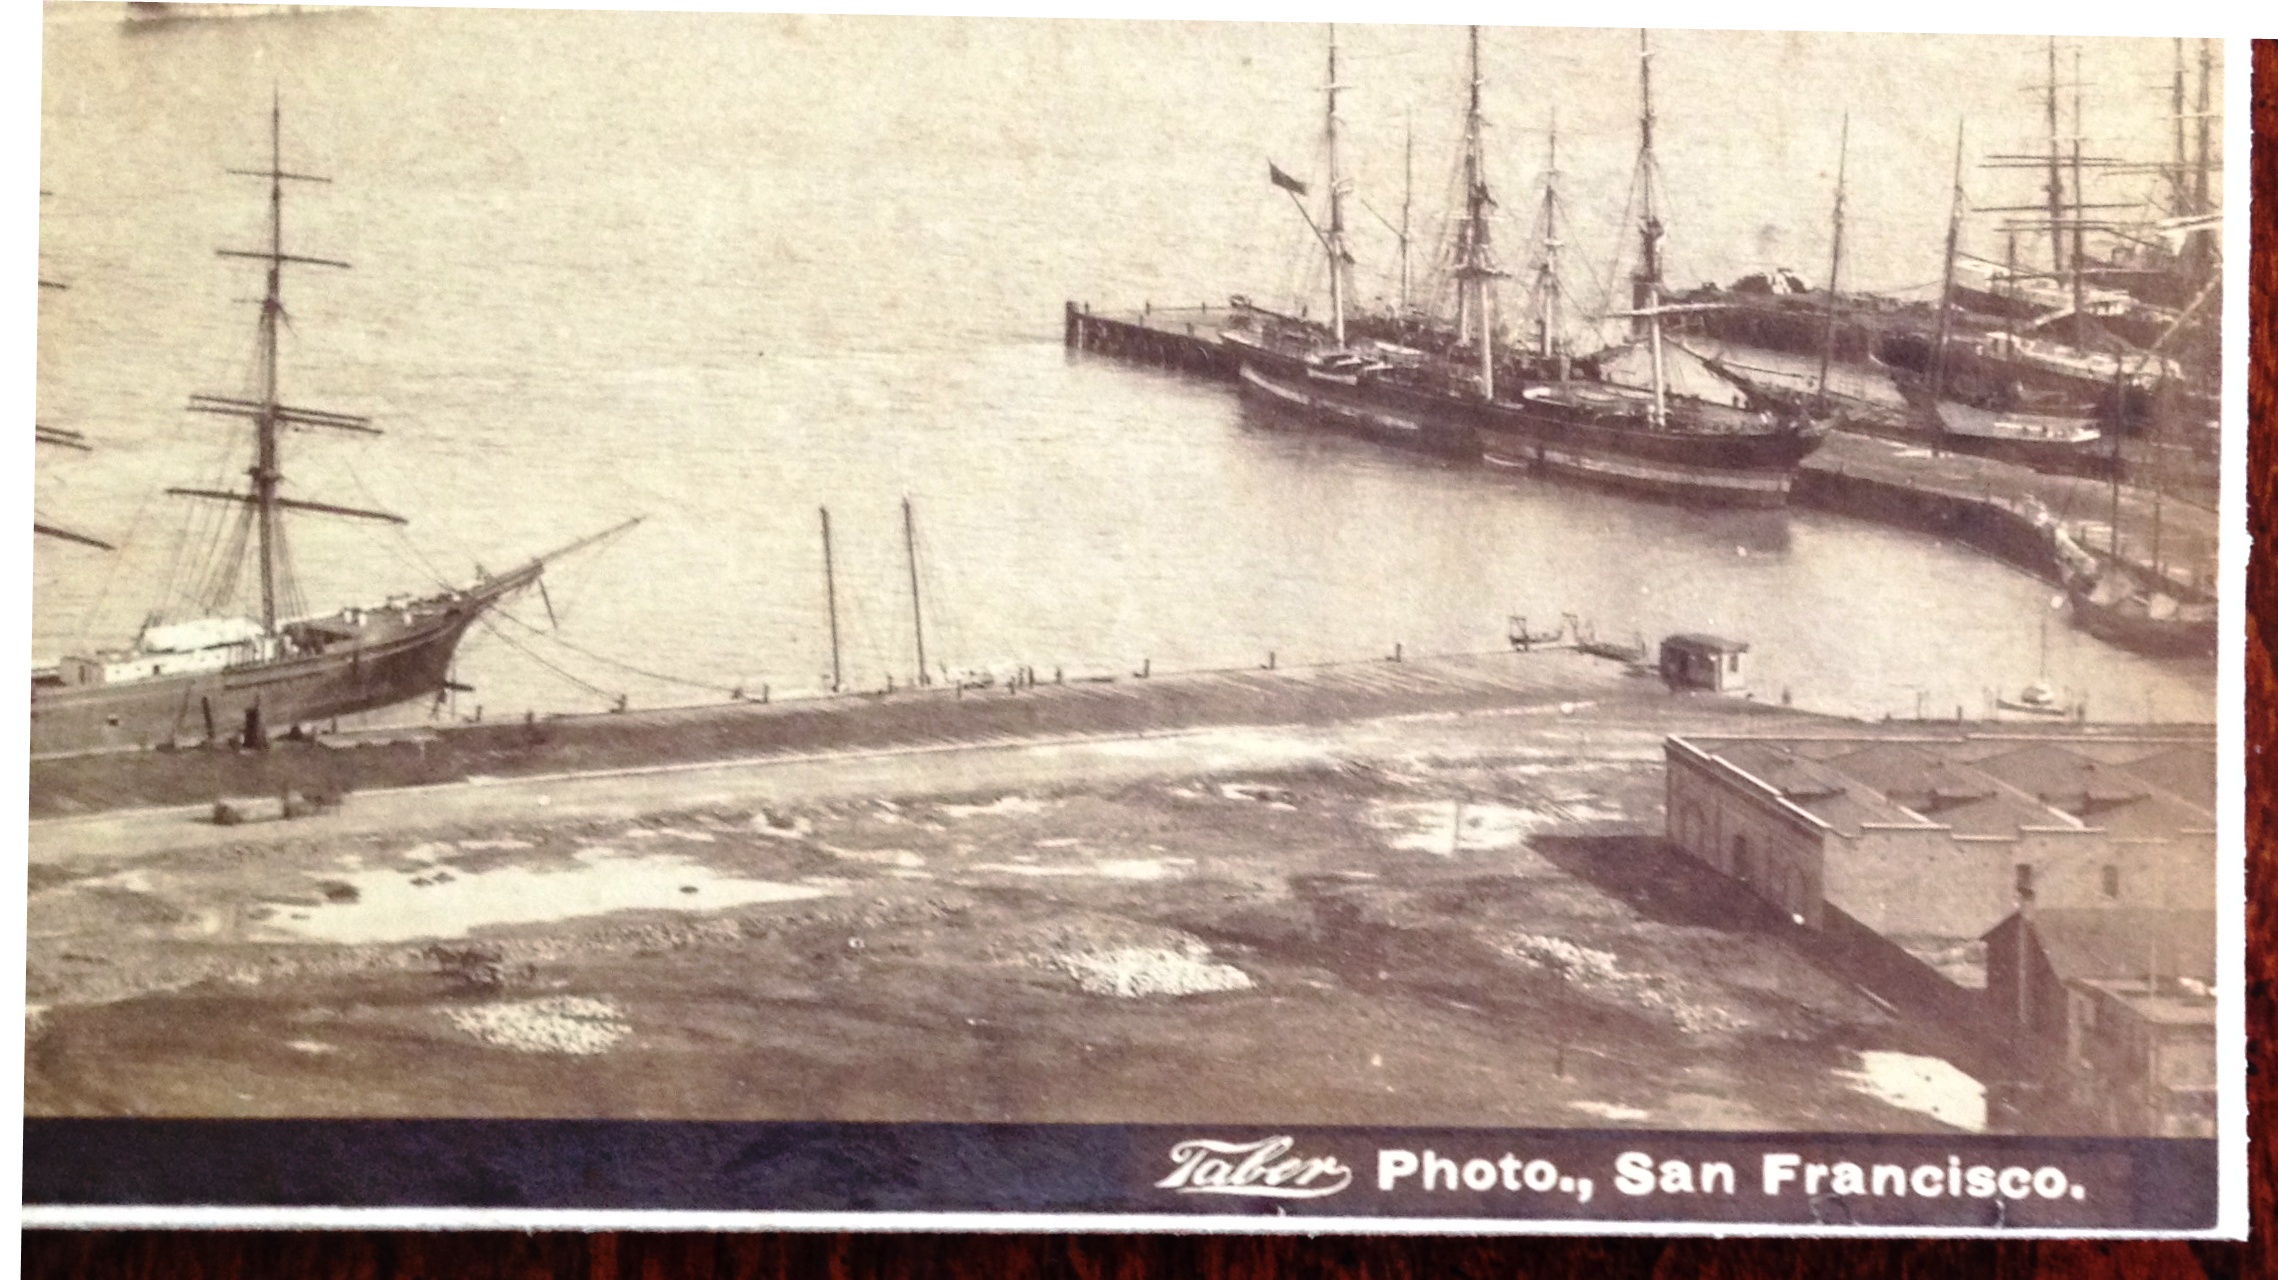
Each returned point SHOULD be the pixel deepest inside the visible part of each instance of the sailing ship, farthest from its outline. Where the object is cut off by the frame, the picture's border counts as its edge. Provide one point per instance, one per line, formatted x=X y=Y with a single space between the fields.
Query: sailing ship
x=1551 y=412
x=228 y=677
x=1985 y=408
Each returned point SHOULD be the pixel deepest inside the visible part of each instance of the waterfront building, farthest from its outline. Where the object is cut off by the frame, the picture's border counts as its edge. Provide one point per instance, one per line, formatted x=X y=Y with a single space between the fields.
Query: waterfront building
x=1928 y=837
x=1693 y=661
x=2108 y=1016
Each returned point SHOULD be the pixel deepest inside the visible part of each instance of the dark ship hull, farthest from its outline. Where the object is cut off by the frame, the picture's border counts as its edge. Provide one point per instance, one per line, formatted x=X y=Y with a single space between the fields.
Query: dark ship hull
x=2056 y=442
x=1587 y=431
x=2147 y=623
x=354 y=661
x=1398 y=417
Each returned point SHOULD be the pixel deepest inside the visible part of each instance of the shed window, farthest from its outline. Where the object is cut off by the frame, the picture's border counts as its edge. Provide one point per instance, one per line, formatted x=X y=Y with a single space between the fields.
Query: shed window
x=2111 y=881
x=2025 y=882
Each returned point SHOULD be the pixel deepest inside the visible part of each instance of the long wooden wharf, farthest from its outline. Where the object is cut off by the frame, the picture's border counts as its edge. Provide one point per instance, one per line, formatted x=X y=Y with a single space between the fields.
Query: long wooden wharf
x=2001 y=509
x=1044 y=706
x=1174 y=337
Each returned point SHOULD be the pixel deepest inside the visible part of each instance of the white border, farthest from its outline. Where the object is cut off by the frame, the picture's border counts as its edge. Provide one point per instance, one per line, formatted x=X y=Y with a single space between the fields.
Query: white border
x=19 y=142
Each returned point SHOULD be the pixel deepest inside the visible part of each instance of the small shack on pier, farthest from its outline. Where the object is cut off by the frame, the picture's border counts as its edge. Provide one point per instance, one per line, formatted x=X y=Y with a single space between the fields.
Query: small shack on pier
x=1691 y=660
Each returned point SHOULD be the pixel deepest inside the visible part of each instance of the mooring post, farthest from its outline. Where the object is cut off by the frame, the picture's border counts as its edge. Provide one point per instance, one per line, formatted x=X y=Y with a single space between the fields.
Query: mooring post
x=1068 y=333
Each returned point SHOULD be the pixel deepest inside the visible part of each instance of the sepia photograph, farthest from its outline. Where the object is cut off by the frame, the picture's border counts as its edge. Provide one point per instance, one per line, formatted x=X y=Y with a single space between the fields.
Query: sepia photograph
x=773 y=614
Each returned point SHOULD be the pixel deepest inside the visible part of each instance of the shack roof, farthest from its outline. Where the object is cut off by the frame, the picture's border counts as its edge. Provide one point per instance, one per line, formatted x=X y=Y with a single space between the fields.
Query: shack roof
x=2120 y=942
x=2059 y=775
x=1702 y=642
x=1816 y=787
x=2186 y=772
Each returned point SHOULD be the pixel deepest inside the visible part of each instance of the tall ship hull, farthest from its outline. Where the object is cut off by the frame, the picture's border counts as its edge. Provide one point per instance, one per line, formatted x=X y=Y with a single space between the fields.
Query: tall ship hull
x=1594 y=432
x=2148 y=623
x=1600 y=434
x=354 y=661
x=1404 y=419
x=2064 y=443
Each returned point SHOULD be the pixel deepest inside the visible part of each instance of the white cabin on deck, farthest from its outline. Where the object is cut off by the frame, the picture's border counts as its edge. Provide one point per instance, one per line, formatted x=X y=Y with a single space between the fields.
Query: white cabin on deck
x=183 y=648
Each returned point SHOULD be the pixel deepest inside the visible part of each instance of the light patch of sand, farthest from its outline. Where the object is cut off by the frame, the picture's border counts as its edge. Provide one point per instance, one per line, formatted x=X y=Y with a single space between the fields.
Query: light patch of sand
x=1271 y=797
x=1610 y=1110
x=555 y=1024
x=133 y=880
x=1930 y=1086
x=391 y=906
x=1135 y=972
x=477 y=846
x=1135 y=869
x=1447 y=828
x=764 y=824
x=1600 y=973
x=1002 y=807
x=903 y=858
x=668 y=834
x=313 y=1047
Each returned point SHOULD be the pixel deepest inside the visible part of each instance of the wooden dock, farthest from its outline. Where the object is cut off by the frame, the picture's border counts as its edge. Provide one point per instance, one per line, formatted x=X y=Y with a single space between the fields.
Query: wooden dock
x=1129 y=705
x=1173 y=338
x=1992 y=506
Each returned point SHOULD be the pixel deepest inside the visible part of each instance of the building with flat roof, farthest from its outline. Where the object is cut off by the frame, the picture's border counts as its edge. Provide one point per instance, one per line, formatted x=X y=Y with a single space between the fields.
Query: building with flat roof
x=2072 y=869
x=1941 y=835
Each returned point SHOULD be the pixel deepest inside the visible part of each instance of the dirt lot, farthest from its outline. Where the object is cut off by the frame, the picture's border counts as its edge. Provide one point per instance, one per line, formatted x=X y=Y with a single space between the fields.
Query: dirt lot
x=1439 y=919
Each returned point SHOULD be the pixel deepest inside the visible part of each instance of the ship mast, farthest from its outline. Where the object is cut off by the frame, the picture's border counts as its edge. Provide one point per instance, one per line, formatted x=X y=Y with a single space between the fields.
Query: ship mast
x=269 y=415
x=2079 y=218
x=1407 y=204
x=1549 y=335
x=2179 y=178
x=2202 y=199
x=1646 y=283
x=2054 y=188
x=1475 y=263
x=1946 y=290
x=1334 y=238
x=1834 y=261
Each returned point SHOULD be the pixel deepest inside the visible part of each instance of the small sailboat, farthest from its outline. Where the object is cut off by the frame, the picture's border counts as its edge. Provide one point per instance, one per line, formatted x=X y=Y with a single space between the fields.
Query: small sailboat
x=2041 y=698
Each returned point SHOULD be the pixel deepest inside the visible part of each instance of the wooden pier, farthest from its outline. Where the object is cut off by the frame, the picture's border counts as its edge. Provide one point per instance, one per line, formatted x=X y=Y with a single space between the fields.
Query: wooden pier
x=1172 y=338
x=1994 y=507
x=1130 y=704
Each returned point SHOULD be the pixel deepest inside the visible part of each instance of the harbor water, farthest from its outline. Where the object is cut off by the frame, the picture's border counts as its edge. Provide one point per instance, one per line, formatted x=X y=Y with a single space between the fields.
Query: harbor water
x=710 y=270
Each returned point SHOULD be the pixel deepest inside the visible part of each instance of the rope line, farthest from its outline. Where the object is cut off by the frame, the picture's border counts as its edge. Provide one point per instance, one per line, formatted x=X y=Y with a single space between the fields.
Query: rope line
x=609 y=661
x=525 y=651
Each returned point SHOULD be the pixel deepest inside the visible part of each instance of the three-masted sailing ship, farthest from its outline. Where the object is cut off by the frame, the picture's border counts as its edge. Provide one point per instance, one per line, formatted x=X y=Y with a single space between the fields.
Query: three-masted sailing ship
x=229 y=677
x=1543 y=411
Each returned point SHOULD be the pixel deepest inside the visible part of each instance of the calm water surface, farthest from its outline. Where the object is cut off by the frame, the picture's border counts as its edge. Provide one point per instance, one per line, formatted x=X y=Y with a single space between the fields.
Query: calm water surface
x=723 y=271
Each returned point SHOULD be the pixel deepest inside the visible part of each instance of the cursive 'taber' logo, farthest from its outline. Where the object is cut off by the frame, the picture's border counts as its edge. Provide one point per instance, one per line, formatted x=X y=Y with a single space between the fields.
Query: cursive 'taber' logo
x=1206 y=1167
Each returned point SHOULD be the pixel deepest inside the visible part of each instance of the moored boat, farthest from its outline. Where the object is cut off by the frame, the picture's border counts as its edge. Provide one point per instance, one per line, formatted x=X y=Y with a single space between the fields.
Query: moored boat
x=236 y=674
x=1549 y=412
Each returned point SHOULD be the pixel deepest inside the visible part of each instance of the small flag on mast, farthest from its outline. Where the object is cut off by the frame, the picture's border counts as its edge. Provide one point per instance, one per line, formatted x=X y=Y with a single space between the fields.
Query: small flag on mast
x=1283 y=180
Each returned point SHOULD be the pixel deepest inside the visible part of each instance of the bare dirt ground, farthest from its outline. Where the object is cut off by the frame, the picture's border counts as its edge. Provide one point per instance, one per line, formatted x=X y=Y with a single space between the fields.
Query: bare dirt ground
x=1446 y=918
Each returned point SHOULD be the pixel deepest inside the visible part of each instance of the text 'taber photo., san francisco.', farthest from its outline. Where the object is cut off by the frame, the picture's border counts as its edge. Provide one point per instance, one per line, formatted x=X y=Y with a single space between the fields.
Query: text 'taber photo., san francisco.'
x=767 y=568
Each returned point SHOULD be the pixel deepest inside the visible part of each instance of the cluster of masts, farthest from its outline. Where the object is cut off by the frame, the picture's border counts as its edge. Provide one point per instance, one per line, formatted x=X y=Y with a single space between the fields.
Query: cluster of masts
x=1474 y=268
x=1472 y=259
x=2070 y=216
